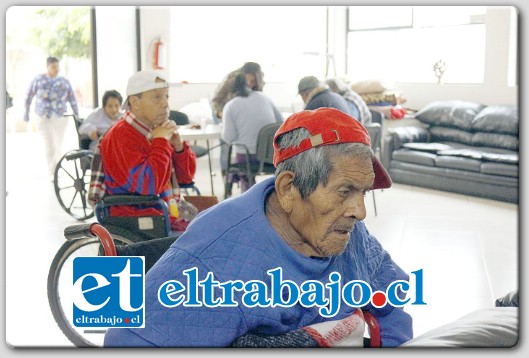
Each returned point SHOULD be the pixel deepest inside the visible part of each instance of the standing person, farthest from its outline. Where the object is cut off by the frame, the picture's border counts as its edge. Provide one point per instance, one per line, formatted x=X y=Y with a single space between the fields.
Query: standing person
x=53 y=93
x=305 y=227
x=143 y=153
x=254 y=80
x=357 y=106
x=316 y=95
x=244 y=116
x=99 y=121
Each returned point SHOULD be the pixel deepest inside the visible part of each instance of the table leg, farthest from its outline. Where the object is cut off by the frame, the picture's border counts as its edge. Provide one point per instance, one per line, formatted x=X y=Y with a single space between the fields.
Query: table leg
x=210 y=170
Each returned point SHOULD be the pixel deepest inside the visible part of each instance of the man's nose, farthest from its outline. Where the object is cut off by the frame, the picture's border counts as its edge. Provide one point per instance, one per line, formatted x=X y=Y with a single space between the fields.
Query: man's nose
x=355 y=207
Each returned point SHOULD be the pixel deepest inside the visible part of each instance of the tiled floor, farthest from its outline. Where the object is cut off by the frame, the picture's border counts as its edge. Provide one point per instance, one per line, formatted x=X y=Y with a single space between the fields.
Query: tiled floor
x=466 y=247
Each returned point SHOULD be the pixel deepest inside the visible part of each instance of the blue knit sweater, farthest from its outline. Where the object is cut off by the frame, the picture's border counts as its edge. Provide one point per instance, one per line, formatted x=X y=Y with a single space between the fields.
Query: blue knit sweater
x=235 y=241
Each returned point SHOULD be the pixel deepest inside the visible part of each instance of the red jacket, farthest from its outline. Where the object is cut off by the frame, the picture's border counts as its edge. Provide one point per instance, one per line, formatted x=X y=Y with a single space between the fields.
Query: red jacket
x=135 y=164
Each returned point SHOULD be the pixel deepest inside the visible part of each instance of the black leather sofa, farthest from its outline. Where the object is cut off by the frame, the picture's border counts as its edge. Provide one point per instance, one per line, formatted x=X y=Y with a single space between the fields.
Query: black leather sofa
x=463 y=147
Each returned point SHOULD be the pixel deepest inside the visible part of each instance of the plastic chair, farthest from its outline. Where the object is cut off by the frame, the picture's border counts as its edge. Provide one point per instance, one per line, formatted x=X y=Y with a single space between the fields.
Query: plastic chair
x=264 y=154
x=376 y=116
x=182 y=119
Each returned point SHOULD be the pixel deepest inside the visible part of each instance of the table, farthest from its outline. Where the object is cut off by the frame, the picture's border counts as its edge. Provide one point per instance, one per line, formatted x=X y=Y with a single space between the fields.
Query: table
x=211 y=131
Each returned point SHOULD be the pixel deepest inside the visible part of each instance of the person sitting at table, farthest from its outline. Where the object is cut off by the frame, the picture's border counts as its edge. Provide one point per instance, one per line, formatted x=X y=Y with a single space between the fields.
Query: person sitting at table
x=357 y=106
x=223 y=94
x=316 y=95
x=102 y=118
x=244 y=116
x=143 y=153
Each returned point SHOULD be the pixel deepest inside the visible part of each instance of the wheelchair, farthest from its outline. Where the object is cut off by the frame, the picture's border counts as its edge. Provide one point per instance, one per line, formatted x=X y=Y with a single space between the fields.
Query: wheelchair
x=116 y=239
x=72 y=177
x=148 y=236
x=94 y=240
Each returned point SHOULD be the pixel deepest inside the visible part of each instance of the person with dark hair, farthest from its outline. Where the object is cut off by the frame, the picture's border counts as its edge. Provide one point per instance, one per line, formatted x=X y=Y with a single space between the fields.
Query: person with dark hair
x=102 y=118
x=53 y=93
x=254 y=80
x=244 y=116
x=230 y=280
x=317 y=95
x=357 y=106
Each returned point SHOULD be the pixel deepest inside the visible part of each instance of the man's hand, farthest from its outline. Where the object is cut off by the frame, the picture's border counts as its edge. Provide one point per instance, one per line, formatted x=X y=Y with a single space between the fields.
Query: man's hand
x=93 y=135
x=165 y=130
x=177 y=142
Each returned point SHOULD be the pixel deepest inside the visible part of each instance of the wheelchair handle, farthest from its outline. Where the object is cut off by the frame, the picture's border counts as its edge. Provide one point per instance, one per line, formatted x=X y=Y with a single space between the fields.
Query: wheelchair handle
x=78 y=231
x=92 y=230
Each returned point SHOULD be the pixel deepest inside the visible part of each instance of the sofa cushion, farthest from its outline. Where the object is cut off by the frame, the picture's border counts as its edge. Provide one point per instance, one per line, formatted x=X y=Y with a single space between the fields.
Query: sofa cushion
x=443 y=134
x=501 y=158
x=463 y=153
x=497 y=119
x=499 y=169
x=454 y=114
x=483 y=154
x=416 y=157
x=427 y=147
x=442 y=174
x=504 y=141
x=446 y=161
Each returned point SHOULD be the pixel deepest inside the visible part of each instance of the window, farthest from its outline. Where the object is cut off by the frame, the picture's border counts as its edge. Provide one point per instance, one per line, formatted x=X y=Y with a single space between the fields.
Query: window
x=513 y=50
x=35 y=32
x=208 y=42
x=404 y=43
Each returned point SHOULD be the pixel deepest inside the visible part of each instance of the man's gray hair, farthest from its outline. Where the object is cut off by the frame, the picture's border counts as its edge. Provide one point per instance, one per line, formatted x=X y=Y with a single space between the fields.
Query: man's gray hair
x=314 y=166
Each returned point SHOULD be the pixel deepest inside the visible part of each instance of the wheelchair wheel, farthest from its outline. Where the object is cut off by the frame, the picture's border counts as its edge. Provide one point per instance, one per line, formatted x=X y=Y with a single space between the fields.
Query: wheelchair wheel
x=71 y=181
x=60 y=280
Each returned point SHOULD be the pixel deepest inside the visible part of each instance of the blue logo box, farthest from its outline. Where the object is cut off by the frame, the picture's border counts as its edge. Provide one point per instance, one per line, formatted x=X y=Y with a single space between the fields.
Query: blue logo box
x=109 y=292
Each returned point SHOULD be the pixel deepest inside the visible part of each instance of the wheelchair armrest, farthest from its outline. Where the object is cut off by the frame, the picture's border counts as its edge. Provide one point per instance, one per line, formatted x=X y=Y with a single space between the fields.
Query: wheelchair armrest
x=102 y=207
x=118 y=200
x=78 y=153
x=374 y=330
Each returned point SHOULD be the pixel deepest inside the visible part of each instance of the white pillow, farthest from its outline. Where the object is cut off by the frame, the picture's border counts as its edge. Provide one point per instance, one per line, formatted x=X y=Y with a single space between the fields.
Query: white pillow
x=368 y=86
x=491 y=327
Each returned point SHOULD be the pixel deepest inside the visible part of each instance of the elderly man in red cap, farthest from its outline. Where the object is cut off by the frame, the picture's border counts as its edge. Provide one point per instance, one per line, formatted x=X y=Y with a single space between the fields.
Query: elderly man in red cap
x=278 y=265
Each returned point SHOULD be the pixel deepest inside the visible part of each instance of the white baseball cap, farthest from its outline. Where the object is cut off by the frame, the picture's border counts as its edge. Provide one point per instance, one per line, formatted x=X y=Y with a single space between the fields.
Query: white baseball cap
x=144 y=81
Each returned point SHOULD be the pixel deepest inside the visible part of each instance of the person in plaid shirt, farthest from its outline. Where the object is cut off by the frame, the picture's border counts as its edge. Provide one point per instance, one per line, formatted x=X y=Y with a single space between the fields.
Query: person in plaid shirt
x=143 y=153
x=53 y=93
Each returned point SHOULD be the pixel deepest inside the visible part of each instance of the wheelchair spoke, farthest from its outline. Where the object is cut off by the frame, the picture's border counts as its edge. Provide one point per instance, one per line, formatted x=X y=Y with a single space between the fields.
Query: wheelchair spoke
x=67 y=187
x=73 y=199
x=67 y=172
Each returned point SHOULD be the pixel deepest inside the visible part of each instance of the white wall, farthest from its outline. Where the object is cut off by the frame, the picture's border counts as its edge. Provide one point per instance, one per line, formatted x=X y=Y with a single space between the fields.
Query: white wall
x=116 y=48
x=155 y=21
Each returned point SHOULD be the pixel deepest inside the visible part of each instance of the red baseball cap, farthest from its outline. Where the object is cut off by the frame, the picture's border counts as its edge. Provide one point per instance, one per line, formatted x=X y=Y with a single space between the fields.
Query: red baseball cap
x=328 y=126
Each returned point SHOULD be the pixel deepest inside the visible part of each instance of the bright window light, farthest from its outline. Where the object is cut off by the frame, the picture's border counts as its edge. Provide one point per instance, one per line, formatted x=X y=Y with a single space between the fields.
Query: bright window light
x=207 y=42
x=454 y=35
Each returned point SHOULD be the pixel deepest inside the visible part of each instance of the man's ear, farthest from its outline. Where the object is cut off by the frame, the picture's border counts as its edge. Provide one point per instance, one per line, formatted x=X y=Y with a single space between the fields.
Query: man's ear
x=133 y=101
x=285 y=190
